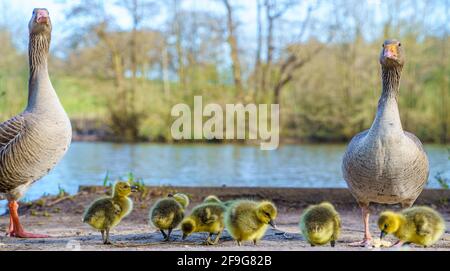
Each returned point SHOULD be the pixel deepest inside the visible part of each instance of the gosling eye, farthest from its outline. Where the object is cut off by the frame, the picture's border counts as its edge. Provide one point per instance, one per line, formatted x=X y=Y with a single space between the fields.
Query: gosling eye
x=385 y=226
x=399 y=44
x=267 y=214
x=382 y=45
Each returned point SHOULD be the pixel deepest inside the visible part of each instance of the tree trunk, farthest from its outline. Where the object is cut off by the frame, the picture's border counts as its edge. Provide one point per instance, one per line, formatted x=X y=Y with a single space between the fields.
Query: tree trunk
x=232 y=42
x=257 y=72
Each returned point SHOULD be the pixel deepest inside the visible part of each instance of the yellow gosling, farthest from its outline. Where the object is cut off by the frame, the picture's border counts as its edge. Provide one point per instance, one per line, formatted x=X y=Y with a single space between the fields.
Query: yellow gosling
x=207 y=217
x=248 y=220
x=167 y=213
x=418 y=225
x=321 y=224
x=212 y=199
x=105 y=213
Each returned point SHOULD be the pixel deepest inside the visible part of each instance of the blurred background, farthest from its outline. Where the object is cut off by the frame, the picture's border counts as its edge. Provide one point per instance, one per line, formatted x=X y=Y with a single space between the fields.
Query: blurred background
x=120 y=66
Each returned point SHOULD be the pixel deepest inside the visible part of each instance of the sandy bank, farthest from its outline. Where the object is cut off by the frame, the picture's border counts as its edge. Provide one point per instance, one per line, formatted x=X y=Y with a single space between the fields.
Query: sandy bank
x=61 y=217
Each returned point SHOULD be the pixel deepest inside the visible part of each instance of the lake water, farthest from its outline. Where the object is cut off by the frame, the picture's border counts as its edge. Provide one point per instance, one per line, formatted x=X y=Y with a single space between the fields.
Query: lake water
x=209 y=165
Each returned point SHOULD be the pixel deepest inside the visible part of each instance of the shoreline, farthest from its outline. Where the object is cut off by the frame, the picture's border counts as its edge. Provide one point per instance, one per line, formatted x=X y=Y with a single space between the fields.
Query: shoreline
x=60 y=217
x=96 y=131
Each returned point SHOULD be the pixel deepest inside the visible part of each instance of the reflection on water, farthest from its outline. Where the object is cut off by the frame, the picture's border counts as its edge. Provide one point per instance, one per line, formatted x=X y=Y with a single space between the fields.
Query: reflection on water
x=209 y=165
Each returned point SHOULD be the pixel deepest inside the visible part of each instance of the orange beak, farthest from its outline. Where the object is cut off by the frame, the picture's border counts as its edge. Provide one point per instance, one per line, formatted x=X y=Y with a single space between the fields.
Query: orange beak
x=390 y=51
x=42 y=17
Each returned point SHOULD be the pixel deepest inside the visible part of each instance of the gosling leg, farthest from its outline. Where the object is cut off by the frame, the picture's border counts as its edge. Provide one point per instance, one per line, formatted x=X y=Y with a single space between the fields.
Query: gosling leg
x=103 y=236
x=107 y=241
x=208 y=240
x=399 y=244
x=333 y=243
x=167 y=239
x=255 y=242
x=216 y=240
x=164 y=235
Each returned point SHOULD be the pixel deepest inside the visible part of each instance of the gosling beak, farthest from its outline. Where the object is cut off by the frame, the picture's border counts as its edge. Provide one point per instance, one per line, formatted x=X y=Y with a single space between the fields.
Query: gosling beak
x=184 y=236
x=134 y=188
x=382 y=235
x=272 y=223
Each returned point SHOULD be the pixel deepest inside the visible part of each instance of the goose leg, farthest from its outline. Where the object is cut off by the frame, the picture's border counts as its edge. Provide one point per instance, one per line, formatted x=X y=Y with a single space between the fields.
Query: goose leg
x=367 y=241
x=11 y=226
x=17 y=229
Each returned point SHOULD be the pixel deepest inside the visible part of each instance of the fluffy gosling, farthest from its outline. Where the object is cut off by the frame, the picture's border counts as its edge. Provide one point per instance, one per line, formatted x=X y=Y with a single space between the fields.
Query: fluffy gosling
x=105 y=213
x=419 y=225
x=248 y=220
x=320 y=224
x=212 y=199
x=167 y=213
x=207 y=217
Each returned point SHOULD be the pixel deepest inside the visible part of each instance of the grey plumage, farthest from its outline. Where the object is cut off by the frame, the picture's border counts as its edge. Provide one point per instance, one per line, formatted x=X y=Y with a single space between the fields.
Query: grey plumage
x=33 y=142
x=386 y=164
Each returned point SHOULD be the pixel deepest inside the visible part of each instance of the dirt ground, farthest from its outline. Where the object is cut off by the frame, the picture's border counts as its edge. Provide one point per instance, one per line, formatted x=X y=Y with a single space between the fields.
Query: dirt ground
x=60 y=217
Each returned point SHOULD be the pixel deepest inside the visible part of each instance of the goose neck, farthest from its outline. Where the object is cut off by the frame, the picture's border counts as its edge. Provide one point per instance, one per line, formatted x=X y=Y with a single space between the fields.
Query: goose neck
x=40 y=90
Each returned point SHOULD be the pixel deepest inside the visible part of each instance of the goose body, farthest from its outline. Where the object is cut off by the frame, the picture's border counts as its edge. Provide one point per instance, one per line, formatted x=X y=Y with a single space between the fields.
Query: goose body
x=33 y=142
x=386 y=164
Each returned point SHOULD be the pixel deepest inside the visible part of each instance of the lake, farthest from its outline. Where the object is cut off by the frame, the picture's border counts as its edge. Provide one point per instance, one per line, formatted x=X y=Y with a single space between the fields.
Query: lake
x=209 y=165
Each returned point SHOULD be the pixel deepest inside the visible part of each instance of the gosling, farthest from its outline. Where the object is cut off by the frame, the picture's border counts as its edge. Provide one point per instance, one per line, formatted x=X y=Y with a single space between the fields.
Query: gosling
x=418 y=225
x=207 y=217
x=105 y=213
x=248 y=220
x=321 y=224
x=212 y=199
x=167 y=213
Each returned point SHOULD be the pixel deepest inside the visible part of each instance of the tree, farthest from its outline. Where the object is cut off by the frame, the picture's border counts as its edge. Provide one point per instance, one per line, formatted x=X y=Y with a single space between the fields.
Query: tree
x=234 y=50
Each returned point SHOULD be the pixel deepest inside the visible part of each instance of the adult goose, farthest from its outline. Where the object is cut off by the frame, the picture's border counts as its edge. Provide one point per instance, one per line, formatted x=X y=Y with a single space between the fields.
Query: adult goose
x=33 y=142
x=385 y=164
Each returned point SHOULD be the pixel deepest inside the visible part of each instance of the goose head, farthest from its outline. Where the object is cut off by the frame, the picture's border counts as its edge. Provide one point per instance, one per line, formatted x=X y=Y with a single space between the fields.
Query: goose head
x=392 y=54
x=40 y=23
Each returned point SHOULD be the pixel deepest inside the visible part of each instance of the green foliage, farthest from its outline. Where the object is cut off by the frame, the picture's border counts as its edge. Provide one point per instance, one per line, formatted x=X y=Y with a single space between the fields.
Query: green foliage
x=443 y=182
x=61 y=192
x=106 y=181
x=331 y=98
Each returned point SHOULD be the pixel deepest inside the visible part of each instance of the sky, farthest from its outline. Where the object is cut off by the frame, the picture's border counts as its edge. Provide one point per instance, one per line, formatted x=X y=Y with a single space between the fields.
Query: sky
x=16 y=14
